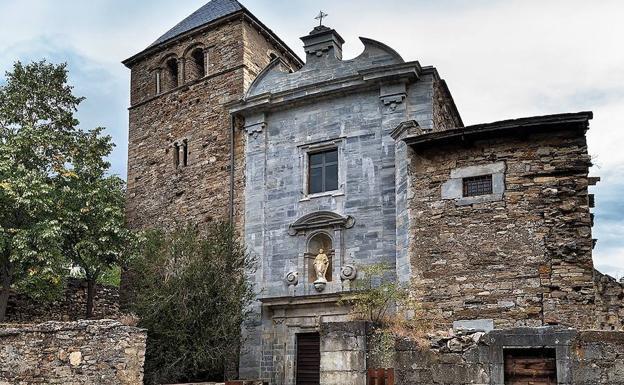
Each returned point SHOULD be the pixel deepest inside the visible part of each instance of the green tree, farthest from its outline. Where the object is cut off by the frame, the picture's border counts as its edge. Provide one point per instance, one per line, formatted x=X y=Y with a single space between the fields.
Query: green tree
x=190 y=293
x=92 y=220
x=36 y=134
x=59 y=208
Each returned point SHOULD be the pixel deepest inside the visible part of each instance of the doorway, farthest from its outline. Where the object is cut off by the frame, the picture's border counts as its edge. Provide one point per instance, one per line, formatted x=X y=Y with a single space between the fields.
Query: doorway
x=308 y=359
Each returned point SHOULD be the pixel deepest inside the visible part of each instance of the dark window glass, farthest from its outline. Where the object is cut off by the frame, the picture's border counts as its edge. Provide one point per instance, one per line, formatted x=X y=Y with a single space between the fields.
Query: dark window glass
x=323 y=171
x=477 y=185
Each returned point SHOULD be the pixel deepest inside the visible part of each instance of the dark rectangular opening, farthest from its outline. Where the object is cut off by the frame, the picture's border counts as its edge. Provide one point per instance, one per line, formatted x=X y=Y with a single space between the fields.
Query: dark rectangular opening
x=308 y=359
x=530 y=366
x=323 y=171
x=477 y=185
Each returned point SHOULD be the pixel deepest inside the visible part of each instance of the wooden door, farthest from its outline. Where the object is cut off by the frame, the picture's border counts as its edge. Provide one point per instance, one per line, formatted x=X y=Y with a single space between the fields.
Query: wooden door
x=530 y=367
x=308 y=359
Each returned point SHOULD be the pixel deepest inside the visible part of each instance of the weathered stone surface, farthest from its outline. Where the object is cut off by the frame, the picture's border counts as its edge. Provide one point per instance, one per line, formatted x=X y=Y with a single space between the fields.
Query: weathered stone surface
x=522 y=261
x=70 y=307
x=72 y=353
x=584 y=357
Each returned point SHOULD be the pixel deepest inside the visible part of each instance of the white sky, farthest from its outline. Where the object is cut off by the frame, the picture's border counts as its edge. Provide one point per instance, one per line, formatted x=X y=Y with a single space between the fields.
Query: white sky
x=501 y=59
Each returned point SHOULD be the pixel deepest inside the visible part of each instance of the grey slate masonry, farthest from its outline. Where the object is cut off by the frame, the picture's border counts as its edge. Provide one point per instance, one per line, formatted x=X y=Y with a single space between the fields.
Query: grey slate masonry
x=353 y=106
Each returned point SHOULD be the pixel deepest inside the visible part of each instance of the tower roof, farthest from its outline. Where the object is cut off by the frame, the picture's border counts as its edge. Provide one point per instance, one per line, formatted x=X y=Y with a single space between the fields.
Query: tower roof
x=211 y=11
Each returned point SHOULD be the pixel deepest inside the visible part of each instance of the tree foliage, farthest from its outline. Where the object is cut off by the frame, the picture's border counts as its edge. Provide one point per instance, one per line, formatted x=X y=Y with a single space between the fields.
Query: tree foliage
x=94 y=236
x=190 y=292
x=36 y=128
x=56 y=200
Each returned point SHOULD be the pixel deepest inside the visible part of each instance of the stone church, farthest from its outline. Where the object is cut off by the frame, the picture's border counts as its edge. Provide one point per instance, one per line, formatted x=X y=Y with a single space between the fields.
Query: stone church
x=329 y=165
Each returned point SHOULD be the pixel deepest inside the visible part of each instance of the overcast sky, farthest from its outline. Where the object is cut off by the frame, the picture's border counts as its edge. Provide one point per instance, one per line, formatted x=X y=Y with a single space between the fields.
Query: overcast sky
x=501 y=59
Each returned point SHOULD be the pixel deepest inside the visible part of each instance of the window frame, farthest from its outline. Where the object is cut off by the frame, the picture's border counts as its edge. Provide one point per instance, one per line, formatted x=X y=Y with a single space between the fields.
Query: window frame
x=314 y=147
x=483 y=185
x=323 y=166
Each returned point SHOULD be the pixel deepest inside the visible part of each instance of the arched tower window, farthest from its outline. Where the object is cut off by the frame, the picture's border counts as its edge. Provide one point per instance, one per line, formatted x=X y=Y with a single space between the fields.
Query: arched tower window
x=272 y=56
x=197 y=64
x=317 y=242
x=170 y=76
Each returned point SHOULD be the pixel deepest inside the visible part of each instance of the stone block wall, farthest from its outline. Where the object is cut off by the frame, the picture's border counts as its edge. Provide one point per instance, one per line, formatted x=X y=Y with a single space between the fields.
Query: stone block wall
x=343 y=353
x=72 y=353
x=582 y=357
x=521 y=260
x=70 y=307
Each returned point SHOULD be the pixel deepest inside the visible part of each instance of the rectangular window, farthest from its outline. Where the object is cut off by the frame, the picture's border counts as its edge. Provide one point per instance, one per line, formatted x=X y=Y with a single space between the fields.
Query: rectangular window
x=323 y=171
x=477 y=185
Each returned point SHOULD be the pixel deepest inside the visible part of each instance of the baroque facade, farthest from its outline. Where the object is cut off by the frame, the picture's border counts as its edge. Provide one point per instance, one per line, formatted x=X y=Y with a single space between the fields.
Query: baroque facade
x=333 y=165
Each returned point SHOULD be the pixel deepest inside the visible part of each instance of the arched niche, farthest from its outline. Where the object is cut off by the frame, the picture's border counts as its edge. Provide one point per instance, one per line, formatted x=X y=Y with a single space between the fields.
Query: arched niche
x=317 y=241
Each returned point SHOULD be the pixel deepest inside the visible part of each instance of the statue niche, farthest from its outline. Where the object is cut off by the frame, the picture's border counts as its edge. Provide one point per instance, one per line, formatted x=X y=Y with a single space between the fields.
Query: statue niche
x=319 y=258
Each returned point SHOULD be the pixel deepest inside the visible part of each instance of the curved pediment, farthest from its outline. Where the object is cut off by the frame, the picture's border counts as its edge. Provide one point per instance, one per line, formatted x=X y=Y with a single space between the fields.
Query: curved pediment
x=277 y=67
x=320 y=219
x=277 y=77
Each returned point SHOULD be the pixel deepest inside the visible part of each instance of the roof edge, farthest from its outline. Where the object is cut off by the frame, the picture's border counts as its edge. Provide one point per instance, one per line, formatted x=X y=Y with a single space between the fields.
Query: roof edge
x=526 y=123
x=242 y=12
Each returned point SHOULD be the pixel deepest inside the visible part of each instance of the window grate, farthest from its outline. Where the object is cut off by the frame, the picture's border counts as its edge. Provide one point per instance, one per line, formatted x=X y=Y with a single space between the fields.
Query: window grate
x=477 y=185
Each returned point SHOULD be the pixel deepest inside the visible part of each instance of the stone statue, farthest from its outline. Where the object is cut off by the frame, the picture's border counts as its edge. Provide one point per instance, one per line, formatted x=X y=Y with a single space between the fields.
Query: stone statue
x=321 y=263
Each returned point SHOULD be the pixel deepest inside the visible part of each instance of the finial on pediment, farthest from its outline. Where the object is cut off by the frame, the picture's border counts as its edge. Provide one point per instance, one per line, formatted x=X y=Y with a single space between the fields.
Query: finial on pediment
x=320 y=17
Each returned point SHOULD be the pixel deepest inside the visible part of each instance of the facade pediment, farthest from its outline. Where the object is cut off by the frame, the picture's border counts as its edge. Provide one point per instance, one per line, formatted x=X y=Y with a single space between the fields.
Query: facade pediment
x=320 y=219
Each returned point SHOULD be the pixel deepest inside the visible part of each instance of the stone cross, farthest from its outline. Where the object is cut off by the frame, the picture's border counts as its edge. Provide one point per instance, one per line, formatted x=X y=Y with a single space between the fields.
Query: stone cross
x=320 y=17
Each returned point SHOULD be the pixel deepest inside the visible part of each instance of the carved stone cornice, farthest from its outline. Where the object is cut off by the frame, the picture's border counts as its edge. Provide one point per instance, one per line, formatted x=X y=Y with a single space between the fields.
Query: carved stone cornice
x=319 y=220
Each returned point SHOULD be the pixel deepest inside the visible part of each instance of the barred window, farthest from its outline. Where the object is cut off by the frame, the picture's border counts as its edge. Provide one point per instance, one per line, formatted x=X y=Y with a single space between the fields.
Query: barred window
x=477 y=185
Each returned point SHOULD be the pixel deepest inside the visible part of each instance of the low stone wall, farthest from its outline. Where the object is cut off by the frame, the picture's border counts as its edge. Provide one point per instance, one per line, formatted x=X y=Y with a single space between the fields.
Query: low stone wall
x=343 y=353
x=72 y=353
x=582 y=357
x=70 y=307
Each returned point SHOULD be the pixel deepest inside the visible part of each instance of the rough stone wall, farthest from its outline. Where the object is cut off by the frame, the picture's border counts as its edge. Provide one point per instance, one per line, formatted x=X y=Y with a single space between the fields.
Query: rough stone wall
x=72 y=353
x=524 y=260
x=445 y=115
x=159 y=194
x=609 y=302
x=583 y=358
x=71 y=306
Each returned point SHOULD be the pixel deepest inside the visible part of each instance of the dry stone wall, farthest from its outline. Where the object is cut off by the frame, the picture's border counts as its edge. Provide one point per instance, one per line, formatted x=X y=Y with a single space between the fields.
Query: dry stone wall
x=523 y=260
x=72 y=353
x=70 y=307
x=582 y=357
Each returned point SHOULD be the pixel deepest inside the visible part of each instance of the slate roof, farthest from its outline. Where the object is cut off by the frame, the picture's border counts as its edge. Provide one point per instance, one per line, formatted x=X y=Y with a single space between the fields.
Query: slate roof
x=211 y=11
x=488 y=130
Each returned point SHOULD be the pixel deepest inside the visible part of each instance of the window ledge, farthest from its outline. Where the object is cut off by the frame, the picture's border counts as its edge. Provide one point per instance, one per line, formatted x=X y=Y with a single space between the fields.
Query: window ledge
x=334 y=193
x=465 y=201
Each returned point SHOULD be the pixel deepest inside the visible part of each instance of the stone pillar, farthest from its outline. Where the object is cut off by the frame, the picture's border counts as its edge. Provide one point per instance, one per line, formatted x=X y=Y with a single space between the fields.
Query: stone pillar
x=181 y=71
x=252 y=362
x=343 y=353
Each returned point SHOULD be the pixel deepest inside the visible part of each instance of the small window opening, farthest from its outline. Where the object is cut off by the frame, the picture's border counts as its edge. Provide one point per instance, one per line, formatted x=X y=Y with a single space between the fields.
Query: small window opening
x=198 y=67
x=185 y=153
x=272 y=56
x=320 y=241
x=180 y=154
x=172 y=74
x=176 y=155
x=323 y=171
x=477 y=185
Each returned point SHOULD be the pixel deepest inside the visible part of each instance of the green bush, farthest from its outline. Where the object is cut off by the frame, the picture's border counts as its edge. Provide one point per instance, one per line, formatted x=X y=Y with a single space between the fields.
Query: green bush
x=190 y=292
